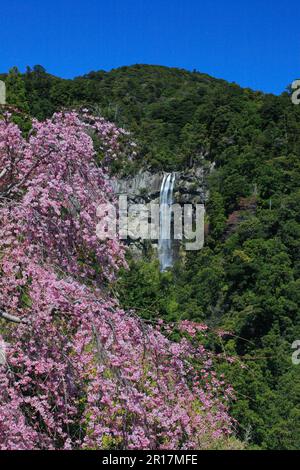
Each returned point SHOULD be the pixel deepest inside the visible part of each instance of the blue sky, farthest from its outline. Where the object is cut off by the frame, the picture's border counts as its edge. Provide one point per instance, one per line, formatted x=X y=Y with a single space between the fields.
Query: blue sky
x=253 y=43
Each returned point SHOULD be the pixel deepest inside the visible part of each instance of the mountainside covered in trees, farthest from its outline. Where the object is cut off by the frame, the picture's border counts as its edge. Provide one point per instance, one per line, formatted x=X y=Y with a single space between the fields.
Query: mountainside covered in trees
x=246 y=279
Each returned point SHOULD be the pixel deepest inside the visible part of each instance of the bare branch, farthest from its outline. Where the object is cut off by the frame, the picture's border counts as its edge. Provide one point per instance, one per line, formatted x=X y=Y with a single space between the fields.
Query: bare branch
x=12 y=318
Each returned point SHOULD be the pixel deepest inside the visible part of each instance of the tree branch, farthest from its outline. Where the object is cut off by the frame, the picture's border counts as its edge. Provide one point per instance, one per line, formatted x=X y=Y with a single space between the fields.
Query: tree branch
x=12 y=318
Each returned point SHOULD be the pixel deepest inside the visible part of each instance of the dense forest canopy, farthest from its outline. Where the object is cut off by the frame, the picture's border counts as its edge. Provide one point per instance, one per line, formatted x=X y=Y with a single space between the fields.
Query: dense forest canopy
x=175 y=114
x=246 y=278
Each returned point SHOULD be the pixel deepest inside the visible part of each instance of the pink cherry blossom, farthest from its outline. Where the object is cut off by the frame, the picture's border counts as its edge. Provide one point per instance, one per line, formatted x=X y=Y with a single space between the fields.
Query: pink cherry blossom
x=80 y=372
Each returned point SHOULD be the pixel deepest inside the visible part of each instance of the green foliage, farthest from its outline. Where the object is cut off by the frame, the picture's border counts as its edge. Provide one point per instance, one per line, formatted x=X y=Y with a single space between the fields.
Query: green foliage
x=246 y=279
x=16 y=93
x=17 y=99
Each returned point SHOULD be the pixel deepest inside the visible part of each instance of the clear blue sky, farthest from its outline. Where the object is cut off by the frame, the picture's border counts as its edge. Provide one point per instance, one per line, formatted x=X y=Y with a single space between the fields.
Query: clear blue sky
x=254 y=43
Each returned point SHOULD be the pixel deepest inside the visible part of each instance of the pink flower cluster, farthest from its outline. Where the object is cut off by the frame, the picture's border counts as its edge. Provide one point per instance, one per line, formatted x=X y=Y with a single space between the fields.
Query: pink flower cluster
x=80 y=372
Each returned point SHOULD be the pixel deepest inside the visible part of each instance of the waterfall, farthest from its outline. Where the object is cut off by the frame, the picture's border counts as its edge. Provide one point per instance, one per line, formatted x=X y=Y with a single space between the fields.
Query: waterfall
x=165 y=239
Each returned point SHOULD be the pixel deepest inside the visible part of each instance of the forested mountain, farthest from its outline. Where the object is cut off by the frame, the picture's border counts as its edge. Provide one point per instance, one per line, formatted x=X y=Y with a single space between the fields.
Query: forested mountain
x=246 y=279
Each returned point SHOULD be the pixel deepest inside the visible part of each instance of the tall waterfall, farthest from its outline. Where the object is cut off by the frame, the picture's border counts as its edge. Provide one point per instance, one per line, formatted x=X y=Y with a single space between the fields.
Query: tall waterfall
x=165 y=252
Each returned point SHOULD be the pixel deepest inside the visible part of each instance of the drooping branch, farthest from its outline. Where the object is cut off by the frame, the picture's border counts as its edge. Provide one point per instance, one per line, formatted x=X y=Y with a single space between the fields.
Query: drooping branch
x=17 y=184
x=12 y=318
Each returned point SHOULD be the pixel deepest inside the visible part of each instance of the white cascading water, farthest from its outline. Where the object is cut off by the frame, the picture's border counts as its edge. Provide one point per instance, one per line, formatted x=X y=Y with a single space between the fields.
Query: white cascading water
x=165 y=252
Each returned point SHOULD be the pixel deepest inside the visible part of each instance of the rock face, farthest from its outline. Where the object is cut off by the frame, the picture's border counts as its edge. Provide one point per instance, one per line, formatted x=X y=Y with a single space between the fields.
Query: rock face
x=144 y=188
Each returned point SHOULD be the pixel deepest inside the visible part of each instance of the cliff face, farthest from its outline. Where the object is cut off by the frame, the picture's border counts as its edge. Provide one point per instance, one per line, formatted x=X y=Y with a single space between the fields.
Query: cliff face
x=144 y=188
